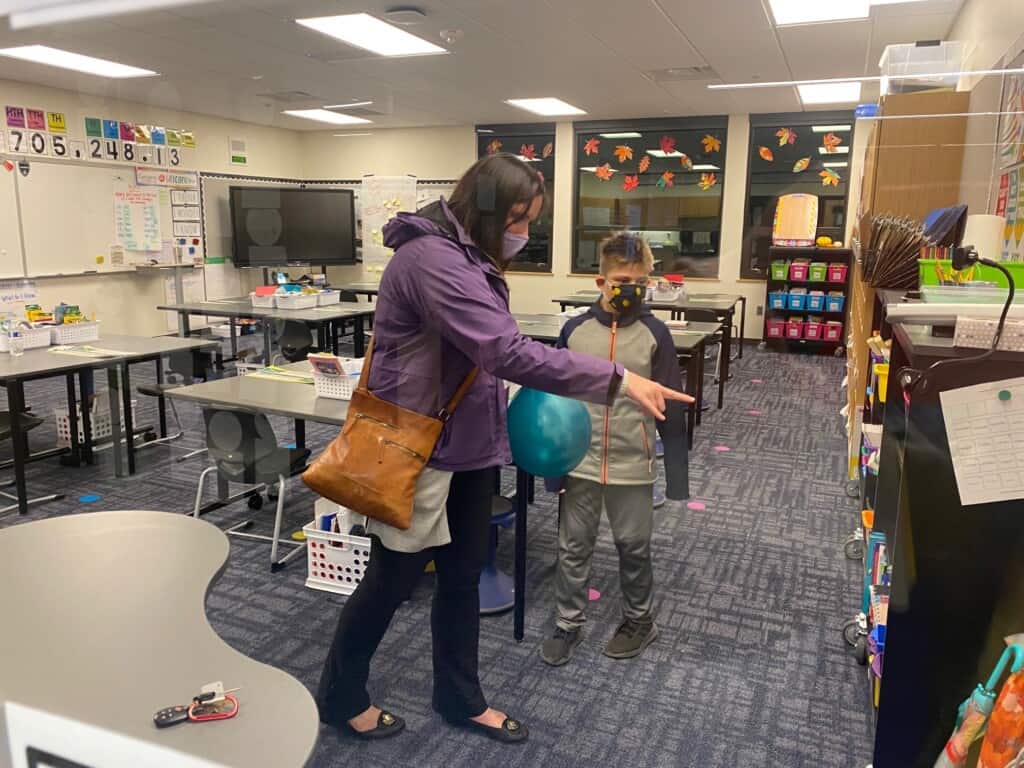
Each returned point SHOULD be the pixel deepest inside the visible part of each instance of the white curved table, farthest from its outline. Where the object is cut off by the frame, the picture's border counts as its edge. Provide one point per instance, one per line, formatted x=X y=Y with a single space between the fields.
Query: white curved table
x=104 y=623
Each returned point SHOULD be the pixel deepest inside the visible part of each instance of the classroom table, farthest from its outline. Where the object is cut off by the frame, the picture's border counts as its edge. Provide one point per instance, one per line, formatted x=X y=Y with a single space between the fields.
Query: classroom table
x=44 y=363
x=328 y=320
x=106 y=625
x=723 y=304
x=366 y=288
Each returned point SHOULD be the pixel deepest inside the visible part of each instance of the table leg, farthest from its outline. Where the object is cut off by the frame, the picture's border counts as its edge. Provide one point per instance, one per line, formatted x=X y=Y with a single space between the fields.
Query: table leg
x=743 y=323
x=693 y=390
x=702 y=349
x=129 y=421
x=321 y=337
x=335 y=329
x=267 y=345
x=523 y=482
x=76 y=447
x=359 y=337
x=85 y=399
x=725 y=353
x=16 y=402
x=183 y=323
x=233 y=328
x=161 y=402
x=300 y=434
x=115 y=420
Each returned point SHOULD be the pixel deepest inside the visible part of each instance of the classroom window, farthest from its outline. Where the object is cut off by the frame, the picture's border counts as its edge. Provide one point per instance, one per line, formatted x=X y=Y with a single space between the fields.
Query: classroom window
x=534 y=143
x=661 y=178
x=788 y=154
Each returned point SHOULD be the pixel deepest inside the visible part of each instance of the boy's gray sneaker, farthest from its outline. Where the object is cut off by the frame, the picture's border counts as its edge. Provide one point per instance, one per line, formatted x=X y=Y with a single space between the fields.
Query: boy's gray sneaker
x=630 y=639
x=557 y=649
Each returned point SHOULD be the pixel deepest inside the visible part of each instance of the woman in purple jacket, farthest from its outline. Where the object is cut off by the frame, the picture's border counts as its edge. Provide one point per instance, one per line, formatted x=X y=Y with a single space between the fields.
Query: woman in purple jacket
x=443 y=309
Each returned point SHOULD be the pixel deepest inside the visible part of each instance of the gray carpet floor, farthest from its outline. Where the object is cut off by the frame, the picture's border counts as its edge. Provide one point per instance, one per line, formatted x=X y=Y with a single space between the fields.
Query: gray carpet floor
x=749 y=670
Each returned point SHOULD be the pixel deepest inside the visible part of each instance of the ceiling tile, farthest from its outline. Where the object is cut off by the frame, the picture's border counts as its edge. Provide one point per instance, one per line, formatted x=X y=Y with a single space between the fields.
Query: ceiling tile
x=826 y=50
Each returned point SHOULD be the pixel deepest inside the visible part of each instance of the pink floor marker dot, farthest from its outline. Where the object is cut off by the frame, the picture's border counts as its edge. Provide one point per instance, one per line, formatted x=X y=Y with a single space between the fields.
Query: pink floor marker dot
x=593 y=595
x=757 y=381
x=696 y=506
x=755 y=412
x=722 y=449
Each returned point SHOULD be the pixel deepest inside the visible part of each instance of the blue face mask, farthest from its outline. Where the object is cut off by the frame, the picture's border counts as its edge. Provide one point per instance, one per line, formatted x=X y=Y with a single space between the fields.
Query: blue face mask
x=511 y=245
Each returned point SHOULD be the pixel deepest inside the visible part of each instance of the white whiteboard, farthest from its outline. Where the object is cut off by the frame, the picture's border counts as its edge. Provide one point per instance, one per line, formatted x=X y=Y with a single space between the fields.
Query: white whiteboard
x=67 y=216
x=11 y=261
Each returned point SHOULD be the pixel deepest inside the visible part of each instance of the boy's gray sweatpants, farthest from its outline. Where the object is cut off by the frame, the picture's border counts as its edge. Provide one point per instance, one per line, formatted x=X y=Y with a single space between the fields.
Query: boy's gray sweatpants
x=630 y=511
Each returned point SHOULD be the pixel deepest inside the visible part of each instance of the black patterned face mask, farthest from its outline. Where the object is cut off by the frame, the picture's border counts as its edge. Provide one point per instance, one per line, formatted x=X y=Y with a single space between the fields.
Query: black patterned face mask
x=628 y=299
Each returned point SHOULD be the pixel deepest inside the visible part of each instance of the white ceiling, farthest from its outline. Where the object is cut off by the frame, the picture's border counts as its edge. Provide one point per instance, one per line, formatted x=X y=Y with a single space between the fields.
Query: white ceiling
x=596 y=54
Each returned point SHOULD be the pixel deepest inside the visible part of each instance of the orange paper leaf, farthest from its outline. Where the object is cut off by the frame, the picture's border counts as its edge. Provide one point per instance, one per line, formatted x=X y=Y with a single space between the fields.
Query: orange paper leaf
x=830 y=141
x=591 y=147
x=645 y=163
x=668 y=145
x=528 y=151
x=711 y=143
x=548 y=149
x=686 y=162
x=623 y=153
x=493 y=147
x=801 y=164
x=786 y=136
x=829 y=178
x=765 y=153
x=603 y=172
x=630 y=183
x=665 y=181
x=707 y=181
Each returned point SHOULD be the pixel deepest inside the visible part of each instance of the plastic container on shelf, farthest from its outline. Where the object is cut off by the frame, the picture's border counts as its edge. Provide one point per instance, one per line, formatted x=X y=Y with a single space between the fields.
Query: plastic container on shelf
x=816 y=301
x=779 y=270
x=777 y=300
x=75 y=333
x=817 y=271
x=265 y=301
x=775 y=329
x=328 y=296
x=797 y=299
x=814 y=328
x=833 y=331
x=834 y=302
x=296 y=300
x=794 y=328
x=882 y=372
x=799 y=270
x=837 y=273
x=903 y=66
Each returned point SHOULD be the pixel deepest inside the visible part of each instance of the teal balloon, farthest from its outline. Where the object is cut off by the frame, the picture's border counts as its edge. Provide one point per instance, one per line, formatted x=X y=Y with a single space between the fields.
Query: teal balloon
x=549 y=434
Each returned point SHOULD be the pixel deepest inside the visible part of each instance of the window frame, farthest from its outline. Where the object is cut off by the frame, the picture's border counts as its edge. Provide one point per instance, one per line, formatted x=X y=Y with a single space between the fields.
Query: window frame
x=719 y=123
x=518 y=130
x=796 y=120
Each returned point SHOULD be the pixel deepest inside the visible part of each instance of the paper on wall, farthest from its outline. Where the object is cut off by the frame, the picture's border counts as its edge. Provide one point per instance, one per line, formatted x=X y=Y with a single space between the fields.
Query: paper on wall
x=184 y=197
x=185 y=213
x=186 y=229
x=985 y=429
x=137 y=217
x=381 y=198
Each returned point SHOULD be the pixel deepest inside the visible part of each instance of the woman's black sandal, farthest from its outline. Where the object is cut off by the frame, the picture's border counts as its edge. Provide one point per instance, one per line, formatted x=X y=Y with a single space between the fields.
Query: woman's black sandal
x=511 y=731
x=387 y=725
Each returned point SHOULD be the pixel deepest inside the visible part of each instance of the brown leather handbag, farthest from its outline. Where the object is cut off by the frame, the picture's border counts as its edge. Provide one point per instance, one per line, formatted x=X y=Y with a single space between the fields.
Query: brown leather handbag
x=373 y=465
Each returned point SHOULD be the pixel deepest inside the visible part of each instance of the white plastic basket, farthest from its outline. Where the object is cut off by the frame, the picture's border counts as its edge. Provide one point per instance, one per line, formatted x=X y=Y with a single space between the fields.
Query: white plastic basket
x=325 y=298
x=75 y=333
x=337 y=561
x=266 y=302
x=339 y=387
x=296 y=300
x=100 y=422
x=33 y=337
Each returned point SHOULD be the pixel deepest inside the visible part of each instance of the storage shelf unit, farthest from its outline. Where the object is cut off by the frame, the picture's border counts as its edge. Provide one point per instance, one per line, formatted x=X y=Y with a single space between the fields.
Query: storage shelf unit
x=812 y=254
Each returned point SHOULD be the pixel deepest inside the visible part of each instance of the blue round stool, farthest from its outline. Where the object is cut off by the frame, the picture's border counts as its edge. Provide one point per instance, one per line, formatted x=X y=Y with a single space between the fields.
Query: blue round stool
x=497 y=590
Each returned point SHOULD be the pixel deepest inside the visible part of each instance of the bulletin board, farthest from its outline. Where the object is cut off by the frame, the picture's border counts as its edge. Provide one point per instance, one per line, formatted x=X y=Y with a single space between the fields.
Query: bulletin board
x=1009 y=200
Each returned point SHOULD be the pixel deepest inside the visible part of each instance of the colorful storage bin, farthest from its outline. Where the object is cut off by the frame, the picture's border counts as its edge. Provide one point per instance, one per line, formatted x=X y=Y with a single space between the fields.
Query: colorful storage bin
x=777 y=300
x=797 y=299
x=817 y=271
x=779 y=270
x=834 y=302
x=799 y=270
x=833 y=331
x=837 y=273
x=816 y=301
x=794 y=328
x=814 y=328
x=776 y=329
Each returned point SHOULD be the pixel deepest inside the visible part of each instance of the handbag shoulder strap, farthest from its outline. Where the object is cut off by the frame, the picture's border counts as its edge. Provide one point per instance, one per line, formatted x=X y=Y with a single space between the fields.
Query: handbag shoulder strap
x=452 y=404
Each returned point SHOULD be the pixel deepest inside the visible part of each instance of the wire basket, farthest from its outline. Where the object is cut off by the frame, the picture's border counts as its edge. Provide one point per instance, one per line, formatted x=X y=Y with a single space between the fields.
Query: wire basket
x=337 y=561
x=296 y=300
x=338 y=387
x=33 y=338
x=99 y=421
x=75 y=333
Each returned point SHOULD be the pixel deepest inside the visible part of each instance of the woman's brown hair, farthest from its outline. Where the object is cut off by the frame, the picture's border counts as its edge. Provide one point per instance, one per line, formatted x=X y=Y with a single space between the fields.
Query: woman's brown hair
x=487 y=196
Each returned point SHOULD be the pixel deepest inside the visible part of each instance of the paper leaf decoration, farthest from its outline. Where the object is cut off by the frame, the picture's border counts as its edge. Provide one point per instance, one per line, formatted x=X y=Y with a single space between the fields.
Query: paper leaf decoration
x=711 y=143
x=766 y=154
x=665 y=180
x=686 y=162
x=668 y=145
x=786 y=136
x=830 y=141
x=829 y=178
x=630 y=183
x=801 y=165
x=623 y=153
x=493 y=147
x=604 y=172
x=528 y=151
x=591 y=147
x=549 y=148
x=645 y=163
x=707 y=181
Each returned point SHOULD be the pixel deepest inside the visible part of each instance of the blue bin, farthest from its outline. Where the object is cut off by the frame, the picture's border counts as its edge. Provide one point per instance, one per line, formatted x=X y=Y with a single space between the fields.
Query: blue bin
x=777 y=300
x=816 y=301
x=834 y=303
x=797 y=301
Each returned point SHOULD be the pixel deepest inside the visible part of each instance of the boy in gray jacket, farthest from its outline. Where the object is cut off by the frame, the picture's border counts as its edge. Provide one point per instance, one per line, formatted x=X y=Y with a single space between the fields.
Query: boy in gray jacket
x=618 y=472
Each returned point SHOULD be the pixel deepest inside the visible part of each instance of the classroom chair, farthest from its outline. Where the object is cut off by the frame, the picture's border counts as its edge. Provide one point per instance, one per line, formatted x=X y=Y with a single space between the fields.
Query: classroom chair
x=709 y=316
x=182 y=369
x=245 y=450
x=497 y=590
x=296 y=341
x=29 y=421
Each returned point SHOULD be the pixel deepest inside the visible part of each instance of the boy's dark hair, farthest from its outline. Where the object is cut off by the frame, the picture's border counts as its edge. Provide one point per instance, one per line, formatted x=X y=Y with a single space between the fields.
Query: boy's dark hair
x=486 y=196
x=625 y=248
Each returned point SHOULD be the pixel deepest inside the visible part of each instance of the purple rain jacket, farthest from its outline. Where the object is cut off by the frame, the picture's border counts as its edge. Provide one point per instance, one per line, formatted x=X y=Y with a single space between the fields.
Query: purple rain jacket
x=443 y=307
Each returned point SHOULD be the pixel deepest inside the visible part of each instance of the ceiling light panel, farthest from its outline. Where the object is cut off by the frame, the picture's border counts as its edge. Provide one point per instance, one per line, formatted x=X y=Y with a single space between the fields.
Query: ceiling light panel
x=369 y=33
x=547 y=106
x=55 y=57
x=324 y=116
x=829 y=93
x=815 y=11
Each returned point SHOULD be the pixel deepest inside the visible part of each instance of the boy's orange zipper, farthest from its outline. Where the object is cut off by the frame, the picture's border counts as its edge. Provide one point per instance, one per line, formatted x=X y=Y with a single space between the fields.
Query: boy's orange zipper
x=607 y=413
